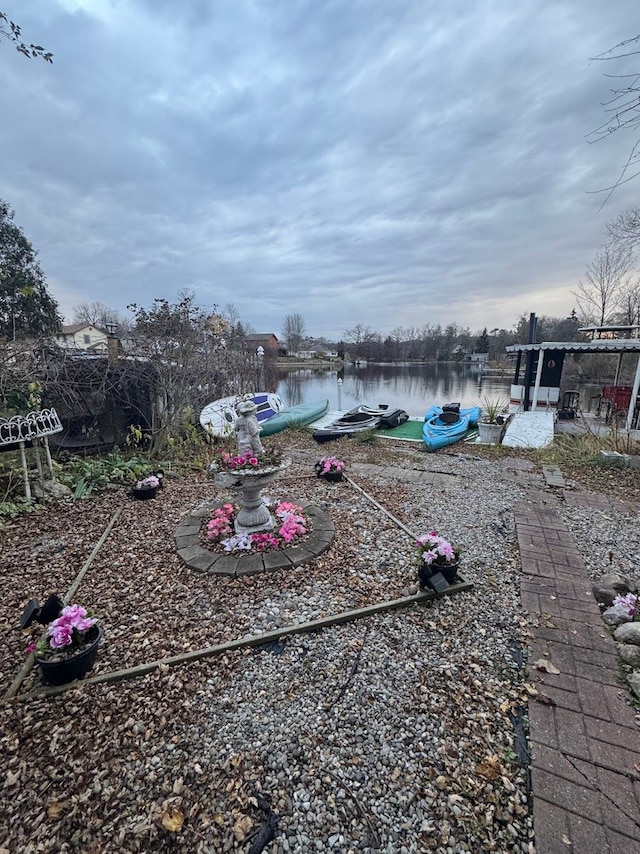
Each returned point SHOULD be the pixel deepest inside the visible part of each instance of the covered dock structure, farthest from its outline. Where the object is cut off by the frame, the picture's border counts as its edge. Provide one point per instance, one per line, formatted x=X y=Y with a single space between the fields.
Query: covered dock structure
x=548 y=357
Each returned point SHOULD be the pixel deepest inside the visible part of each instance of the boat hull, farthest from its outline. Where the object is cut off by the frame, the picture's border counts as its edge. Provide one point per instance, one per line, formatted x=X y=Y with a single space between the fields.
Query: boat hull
x=437 y=434
x=219 y=418
x=294 y=416
x=359 y=419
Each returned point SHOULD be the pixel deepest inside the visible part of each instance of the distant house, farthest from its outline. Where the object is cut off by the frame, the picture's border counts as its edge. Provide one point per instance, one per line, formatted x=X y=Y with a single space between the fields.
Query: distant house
x=477 y=358
x=83 y=336
x=267 y=340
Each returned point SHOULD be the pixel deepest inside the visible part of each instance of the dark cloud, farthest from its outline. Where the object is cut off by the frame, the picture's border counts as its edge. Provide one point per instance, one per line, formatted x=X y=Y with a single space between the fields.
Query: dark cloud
x=379 y=163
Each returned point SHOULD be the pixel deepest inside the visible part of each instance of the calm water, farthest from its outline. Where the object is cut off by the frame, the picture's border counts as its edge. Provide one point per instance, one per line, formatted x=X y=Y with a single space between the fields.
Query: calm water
x=411 y=387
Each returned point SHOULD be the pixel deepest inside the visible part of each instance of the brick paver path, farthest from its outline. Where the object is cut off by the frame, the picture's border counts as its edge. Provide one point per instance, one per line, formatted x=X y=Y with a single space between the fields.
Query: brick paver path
x=585 y=744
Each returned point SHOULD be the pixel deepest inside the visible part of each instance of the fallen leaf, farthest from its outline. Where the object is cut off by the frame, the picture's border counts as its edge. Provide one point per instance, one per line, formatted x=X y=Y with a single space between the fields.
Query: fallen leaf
x=489 y=768
x=566 y=839
x=547 y=701
x=55 y=809
x=172 y=820
x=11 y=778
x=219 y=819
x=531 y=690
x=242 y=826
x=546 y=665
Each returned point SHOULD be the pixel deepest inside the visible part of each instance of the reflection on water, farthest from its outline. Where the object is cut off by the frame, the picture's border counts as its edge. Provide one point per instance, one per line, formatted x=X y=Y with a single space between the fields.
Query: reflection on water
x=411 y=387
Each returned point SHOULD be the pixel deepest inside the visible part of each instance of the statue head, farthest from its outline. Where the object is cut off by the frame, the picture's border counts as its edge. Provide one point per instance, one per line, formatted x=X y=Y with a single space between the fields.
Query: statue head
x=246 y=408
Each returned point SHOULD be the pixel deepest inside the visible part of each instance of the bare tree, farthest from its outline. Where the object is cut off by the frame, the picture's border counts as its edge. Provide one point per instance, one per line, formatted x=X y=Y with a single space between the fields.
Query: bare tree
x=99 y=314
x=293 y=331
x=622 y=108
x=625 y=228
x=630 y=303
x=600 y=295
x=192 y=363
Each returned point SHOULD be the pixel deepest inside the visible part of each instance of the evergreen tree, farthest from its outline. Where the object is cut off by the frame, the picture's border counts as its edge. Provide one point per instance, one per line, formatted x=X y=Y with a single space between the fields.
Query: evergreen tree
x=482 y=342
x=26 y=307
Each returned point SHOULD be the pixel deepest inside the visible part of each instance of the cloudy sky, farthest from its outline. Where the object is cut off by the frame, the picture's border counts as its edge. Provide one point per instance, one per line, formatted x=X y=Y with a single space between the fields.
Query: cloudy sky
x=383 y=162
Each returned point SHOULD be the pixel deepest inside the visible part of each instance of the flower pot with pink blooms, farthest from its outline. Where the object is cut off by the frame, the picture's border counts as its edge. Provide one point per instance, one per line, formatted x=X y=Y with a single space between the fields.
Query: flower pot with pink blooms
x=147 y=487
x=330 y=468
x=436 y=555
x=69 y=646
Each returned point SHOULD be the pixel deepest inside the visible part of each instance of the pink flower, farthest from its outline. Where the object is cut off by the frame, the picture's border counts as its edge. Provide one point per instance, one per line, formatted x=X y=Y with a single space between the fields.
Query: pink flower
x=446 y=550
x=31 y=648
x=72 y=612
x=60 y=636
x=433 y=548
x=253 y=461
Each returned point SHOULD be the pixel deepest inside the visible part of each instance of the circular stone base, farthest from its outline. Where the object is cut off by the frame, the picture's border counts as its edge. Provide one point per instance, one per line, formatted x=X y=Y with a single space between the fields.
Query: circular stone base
x=198 y=557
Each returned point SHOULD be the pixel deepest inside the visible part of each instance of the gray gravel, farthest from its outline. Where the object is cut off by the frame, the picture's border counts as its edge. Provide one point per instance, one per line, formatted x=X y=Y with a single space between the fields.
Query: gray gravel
x=394 y=733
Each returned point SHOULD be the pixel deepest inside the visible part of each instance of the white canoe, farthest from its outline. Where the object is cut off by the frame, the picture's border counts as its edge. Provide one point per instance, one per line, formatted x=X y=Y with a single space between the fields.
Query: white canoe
x=219 y=417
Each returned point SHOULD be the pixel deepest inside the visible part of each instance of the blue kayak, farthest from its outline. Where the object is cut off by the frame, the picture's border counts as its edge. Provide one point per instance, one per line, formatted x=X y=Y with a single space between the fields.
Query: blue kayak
x=473 y=413
x=438 y=434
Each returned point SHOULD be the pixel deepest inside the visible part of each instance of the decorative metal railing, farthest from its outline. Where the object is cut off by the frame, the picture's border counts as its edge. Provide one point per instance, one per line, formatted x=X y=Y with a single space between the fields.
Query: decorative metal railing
x=33 y=425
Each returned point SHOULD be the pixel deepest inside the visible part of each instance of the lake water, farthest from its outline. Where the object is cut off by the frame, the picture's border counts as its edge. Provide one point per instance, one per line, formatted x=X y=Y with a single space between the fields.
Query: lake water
x=411 y=387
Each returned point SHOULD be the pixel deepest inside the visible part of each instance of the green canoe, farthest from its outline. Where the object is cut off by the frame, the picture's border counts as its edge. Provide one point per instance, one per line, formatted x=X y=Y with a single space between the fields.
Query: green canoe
x=294 y=416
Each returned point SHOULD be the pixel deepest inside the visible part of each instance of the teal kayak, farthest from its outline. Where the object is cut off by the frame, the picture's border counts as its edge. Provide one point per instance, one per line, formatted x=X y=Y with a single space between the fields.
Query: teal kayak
x=473 y=413
x=438 y=434
x=294 y=416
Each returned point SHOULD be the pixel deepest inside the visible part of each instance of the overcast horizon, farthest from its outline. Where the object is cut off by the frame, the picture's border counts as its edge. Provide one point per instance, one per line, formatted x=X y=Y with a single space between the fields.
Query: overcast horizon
x=389 y=163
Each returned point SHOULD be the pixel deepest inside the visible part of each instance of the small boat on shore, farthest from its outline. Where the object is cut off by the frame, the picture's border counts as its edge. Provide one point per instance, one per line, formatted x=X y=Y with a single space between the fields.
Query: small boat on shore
x=219 y=418
x=358 y=419
x=294 y=416
x=472 y=412
x=448 y=424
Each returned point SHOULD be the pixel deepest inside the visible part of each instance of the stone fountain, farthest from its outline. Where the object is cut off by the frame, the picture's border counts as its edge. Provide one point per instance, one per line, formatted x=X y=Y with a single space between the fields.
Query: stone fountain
x=253 y=516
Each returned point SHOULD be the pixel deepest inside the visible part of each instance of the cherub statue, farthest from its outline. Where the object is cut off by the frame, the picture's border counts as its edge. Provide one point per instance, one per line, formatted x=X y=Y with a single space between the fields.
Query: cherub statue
x=248 y=429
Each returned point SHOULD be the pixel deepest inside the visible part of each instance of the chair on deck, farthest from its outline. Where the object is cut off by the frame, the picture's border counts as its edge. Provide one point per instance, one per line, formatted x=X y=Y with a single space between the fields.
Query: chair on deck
x=570 y=406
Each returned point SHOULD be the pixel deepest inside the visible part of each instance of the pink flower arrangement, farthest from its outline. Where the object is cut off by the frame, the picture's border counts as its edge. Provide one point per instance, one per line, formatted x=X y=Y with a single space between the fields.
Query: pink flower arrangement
x=329 y=465
x=292 y=524
x=236 y=462
x=67 y=632
x=293 y=521
x=219 y=525
x=434 y=549
x=149 y=482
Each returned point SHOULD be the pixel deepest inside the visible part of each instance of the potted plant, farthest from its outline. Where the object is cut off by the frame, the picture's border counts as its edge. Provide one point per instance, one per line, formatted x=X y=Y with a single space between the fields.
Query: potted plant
x=492 y=421
x=69 y=646
x=330 y=468
x=435 y=554
x=147 y=487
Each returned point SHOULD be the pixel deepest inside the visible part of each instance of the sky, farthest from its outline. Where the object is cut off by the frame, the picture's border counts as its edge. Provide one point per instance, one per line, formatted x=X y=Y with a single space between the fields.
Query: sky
x=389 y=163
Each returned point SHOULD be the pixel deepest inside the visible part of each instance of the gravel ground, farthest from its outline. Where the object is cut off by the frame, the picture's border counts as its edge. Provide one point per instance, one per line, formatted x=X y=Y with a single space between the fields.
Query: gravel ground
x=397 y=733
